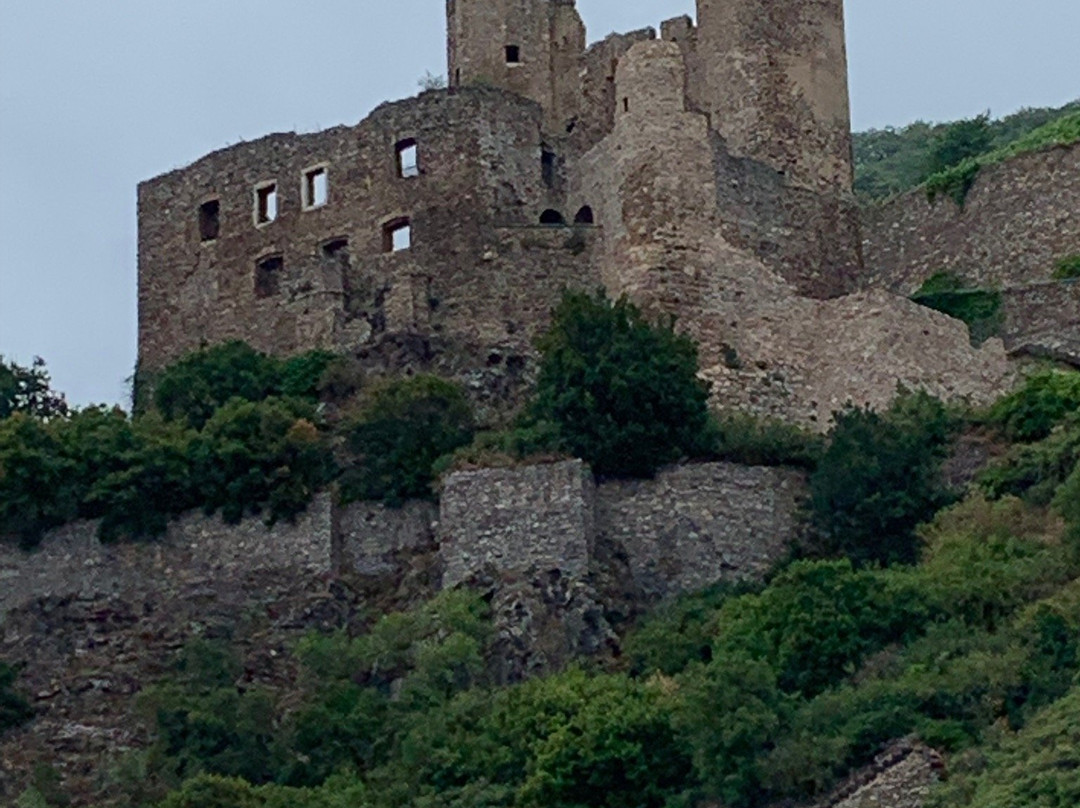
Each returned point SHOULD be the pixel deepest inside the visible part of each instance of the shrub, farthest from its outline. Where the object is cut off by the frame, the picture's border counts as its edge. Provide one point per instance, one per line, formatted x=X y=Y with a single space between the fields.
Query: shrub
x=623 y=393
x=261 y=455
x=197 y=385
x=1035 y=471
x=879 y=478
x=38 y=486
x=744 y=438
x=1068 y=268
x=531 y=443
x=14 y=709
x=402 y=428
x=1044 y=401
x=959 y=141
x=28 y=390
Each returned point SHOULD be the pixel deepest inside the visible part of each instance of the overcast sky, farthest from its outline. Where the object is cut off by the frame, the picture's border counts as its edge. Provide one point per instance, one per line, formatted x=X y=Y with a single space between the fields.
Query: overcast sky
x=96 y=95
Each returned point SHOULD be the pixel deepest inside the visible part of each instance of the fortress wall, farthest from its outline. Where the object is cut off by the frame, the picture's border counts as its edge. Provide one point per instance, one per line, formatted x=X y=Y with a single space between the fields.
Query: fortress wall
x=1019 y=219
x=371 y=535
x=696 y=525
x=479 y=164
x=529 y=519
x=196 y=550
x=1043 y=319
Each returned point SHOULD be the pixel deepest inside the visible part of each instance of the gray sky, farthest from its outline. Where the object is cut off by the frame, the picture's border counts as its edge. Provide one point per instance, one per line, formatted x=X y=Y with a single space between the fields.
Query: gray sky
x=96 y=95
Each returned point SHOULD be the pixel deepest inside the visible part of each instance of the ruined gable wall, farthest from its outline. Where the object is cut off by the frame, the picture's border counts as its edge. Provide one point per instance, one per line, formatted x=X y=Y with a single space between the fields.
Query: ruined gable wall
x=480 y=174
x=1018 y=220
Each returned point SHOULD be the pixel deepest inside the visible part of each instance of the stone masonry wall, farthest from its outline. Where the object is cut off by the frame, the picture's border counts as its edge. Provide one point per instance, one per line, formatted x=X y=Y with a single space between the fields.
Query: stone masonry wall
x=527 y=519
x=695 y=525
x=1018 y=220
x=1043 y=319
x=902 y=776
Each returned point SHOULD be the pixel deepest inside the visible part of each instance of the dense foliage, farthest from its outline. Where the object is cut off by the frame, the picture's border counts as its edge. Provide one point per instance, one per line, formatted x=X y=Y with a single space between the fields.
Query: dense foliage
x=623 y=393
x=980 y=309
x=889 y=161
x=28 y=391
x=402 y=427
x=879 y=478
x=1068 y=268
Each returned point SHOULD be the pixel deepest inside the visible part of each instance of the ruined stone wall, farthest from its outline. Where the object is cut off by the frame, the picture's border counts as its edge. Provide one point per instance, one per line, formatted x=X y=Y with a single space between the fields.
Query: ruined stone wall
x=1018 y=220
x=196 y=549
x=1043 y=320
x=776 y=85
x=902 y=776
x=479 y=170
x=531 y=519
x=699 y=524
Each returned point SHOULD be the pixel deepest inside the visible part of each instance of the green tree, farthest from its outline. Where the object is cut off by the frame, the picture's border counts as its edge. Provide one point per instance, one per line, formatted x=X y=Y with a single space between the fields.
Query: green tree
x=28 y=390
x=879 y=478
x=38 y=486
x=624 y=393
x=958 y=142
x=1044 y=401
x=401 y=429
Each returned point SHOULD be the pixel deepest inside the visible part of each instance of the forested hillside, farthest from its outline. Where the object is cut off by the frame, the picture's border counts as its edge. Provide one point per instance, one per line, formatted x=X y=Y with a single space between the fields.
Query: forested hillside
x=892 y=160
x=922 y=602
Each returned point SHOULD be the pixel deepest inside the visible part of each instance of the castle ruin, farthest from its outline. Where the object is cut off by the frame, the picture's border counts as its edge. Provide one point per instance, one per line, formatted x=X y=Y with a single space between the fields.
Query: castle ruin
x=705 y=172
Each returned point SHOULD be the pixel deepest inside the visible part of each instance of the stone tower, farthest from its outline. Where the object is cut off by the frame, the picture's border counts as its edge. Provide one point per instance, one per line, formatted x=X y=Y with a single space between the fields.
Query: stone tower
x=529 y=47
x=776 y=85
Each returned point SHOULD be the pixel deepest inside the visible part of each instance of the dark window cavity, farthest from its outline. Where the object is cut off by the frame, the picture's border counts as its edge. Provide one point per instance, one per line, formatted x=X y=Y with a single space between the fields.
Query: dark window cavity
x=626 y=105
x=584 y=216
x=397 y=235
x=513 y=54
x=266 y=203
x=408 y=158
x=552 y=217
x=547 y=167
x=316 y=188
x=268 y=275
x=336 y=251
x=210 y=220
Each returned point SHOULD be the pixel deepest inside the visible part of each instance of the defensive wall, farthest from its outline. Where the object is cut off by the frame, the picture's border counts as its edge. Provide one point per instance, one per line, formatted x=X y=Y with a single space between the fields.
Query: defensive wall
x=689 y=527
x=1018 y=220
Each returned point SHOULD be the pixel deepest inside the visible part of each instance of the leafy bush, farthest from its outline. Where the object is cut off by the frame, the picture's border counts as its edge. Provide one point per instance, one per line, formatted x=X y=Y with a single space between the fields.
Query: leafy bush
x=254 y=455
x=623 y=393
x=37 y=487
x=1035 y=471
x=1044 y=401
x=402 y=428
x=744 y=438
x=879 y=478
x=958 y=142
x=28 y=390
x=980 y=309
x=195 y=387
x=1068 y=268
x=13 y=707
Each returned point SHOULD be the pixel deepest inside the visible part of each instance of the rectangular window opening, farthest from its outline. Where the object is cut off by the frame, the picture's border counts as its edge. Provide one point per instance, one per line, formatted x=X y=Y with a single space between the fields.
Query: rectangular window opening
x=397 y=236
x=513 y=54
x=210 y=220
x=316 y=188
x=408 y=158
x=268 y=275
x=547 y=167
x=266 y=203
x=336 y=251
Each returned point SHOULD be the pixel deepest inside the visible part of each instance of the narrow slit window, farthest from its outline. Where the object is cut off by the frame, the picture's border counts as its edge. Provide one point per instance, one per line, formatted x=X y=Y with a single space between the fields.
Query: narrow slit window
x=266 y=203
x=268 y=275
x=626 y=105
x=547 y=167
x=210 y=220
x=397 y=236
x=316 y=188
x=513 y=54
x=408 y=158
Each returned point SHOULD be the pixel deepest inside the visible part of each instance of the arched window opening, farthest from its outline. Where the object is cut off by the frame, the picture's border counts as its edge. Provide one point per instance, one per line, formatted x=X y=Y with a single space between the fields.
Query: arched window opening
x=585 y=216
x=552 y=218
